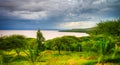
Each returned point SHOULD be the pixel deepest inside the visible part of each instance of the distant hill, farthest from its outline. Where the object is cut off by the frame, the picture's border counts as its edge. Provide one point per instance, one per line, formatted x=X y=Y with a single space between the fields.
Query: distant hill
x=77 y=30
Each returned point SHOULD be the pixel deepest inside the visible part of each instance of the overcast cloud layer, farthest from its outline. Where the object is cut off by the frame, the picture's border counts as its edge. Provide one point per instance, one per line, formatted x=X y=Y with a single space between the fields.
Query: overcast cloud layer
x=56 y=14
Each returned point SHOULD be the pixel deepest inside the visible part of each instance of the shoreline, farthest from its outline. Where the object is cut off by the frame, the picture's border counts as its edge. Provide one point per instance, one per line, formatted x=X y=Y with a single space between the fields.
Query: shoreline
x=48 y=34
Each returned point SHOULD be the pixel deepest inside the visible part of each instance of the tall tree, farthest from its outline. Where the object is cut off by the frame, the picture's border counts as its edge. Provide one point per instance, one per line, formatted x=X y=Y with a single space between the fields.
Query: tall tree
x=40 y=40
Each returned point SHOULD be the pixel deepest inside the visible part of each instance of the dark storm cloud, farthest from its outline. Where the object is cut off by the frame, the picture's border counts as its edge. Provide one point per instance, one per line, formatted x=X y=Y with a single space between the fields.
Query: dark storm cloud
x=51 y=13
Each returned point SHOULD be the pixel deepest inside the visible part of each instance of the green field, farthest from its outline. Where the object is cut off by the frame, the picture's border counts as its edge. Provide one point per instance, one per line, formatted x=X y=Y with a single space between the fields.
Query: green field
x=49 y=57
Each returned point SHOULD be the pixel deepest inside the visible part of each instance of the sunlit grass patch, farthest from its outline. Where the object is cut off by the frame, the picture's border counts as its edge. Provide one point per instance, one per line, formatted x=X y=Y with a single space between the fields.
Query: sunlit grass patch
x=49 y=57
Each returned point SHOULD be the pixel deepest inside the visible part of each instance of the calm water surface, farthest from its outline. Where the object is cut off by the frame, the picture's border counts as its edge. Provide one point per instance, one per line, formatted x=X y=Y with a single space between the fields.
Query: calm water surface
x=48 y=34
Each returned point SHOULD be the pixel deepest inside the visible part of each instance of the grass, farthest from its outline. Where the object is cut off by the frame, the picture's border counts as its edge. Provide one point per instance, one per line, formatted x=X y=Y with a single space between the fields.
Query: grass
x=53 y=58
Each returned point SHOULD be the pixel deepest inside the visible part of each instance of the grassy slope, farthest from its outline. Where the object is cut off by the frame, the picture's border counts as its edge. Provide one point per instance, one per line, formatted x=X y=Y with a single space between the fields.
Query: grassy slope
x=53 y=58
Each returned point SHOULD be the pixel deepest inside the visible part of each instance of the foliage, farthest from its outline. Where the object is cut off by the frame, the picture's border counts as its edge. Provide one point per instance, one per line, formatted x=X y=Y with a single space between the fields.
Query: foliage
x=56 y=43
x=32 y=54
x=86 y=30
x=93 y=43
x=1 y=60
x=31 y=42
x=108 y=28
x=40 y=40
x=63 y=43
x=15 y=42
x=111 y=32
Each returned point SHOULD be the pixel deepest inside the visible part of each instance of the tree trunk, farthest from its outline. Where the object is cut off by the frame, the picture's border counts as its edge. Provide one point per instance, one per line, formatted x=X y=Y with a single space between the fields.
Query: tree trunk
x=17 y=52
x=103 y=62
x=102 y=59
x=59 y=50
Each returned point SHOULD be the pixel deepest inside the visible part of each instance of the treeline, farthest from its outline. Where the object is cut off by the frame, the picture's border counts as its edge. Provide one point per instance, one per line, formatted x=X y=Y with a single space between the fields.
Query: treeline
x=65 y=43
x=78 y=30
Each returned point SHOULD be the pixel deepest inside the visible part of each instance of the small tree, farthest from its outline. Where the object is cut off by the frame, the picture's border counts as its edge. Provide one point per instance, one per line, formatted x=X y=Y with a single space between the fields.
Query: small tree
x=34 y=48
x=55 y=43
x=69 y=43
x=13 y=42
x=103 y=49
x=104 y=46
x=31 y=53
x=40 y=40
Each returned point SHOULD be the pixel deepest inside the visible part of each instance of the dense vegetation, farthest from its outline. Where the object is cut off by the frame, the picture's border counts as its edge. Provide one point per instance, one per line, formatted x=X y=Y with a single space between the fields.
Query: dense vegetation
x=78 y=30
x=108 y=28
x=101 y=47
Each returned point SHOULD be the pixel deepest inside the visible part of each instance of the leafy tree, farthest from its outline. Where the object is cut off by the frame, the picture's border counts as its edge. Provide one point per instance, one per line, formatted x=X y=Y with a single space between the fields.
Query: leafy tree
x=32 y=53
x=49 y=45
x=100 y=44
x=40 y=40
x=31 y=42
x=69 y=43
x=15 y=42
x=93 y=43
x=58 y=43
x=108 y=28
x=104 y=47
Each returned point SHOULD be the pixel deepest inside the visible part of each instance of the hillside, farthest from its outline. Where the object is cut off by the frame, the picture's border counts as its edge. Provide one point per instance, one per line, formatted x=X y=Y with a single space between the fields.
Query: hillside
x=77 y=30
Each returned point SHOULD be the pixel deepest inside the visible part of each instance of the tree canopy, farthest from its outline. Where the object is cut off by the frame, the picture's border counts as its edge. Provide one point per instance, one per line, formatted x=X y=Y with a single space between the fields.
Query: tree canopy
x=12 y=42
x=108 y=28
x=68 y=43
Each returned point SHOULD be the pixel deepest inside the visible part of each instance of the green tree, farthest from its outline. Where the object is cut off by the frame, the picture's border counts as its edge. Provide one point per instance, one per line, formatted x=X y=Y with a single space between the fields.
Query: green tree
x=40 y=40
x=13 y=42
x=108 y=28
x=71 y=43
x=32 y=53
x=58 y=43
x=100 y=44
x=68 y=43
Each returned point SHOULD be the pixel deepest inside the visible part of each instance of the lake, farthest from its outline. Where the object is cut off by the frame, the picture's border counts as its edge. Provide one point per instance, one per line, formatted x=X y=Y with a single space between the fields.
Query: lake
x=48 y=34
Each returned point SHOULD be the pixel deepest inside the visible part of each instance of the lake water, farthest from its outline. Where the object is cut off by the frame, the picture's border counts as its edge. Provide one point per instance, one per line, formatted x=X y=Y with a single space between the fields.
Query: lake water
x=48 y=34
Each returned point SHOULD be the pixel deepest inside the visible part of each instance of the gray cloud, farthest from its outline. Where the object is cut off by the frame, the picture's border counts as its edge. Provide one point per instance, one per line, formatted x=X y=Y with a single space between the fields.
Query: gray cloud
x=58 y=7
x=57 y=11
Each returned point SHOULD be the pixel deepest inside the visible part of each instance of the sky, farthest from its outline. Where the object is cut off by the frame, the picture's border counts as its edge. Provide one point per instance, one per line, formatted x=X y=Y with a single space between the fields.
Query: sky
x=56 y=14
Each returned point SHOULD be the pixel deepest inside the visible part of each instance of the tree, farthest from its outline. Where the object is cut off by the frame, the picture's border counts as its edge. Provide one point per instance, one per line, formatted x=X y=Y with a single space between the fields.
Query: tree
x=40 y=40
x=32 y=53
x=15 y=42
x=108 y=28
x=58 y=43
x=100 y=44
x=68 y=43
x=34 y=47
x=105 y=45
x=54 y=44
